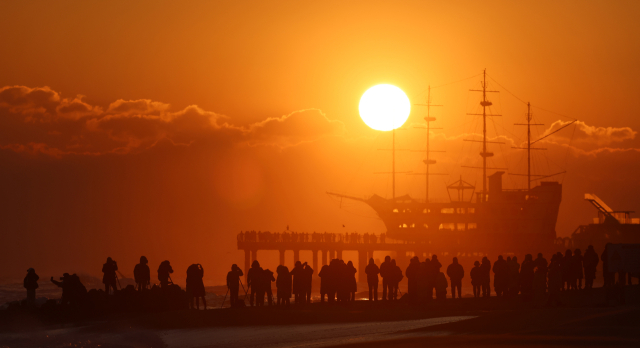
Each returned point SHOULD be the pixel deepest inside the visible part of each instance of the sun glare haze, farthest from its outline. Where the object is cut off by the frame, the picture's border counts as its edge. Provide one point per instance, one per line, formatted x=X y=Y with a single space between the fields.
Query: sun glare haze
x=384 y=107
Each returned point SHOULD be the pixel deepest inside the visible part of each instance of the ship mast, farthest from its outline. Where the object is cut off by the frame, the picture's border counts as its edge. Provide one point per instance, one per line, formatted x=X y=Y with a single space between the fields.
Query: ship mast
x=528 y=148
x=428 y=161
x=393 y=165
x=485 y=103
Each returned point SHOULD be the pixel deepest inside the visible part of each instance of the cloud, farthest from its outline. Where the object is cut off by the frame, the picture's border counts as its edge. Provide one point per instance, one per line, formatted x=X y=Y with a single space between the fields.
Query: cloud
x=39 y=120
x=588 y=137
x=294 y=128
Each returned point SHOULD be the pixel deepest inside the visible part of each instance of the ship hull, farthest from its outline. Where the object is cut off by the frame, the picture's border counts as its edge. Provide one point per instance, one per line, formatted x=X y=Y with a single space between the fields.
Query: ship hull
x=510 y=221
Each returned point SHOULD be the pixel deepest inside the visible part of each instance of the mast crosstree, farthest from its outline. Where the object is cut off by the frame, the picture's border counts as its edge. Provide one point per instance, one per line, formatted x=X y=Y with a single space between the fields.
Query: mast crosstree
x=485 y=103
x=428 y=161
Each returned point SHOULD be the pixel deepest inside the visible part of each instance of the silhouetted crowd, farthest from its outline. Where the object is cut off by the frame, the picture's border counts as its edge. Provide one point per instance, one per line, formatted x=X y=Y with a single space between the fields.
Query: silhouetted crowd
x=303 y=237
x=142 y=296
x=533 y=279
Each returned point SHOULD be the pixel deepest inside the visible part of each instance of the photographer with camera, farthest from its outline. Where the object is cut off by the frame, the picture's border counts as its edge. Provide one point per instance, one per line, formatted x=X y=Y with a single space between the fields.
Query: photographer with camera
x=109 y=279
x=195 y=285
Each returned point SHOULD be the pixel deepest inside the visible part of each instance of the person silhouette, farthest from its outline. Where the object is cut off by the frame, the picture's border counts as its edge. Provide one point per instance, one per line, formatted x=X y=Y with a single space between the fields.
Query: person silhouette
x=195 y=286
x=527 y=276
x=434 y=269
x=501 y=276
x=31 y=284
x=609 y=277
x=164 y=271
x=486 y=277
x=267 y=278
x=351 y=281
x=555 y=280
x=513 y=275
x=298 y=282
x=476 y=279
x=386 y=274
x=441 y=286
x=412 y=272
x=578 y=273
x=283 y=283
x=590 y=262
x=396 y=277
x=233 y=284
x=568 y=270
x=109 y=278
x=142 y=274
x=253 y=280
x=372 y=272
x=455 y=273
x=324 y=282
x=308 y=282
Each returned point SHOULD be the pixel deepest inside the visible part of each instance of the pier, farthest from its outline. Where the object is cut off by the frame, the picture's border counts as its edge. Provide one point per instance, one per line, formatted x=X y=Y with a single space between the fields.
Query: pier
x=328 y=245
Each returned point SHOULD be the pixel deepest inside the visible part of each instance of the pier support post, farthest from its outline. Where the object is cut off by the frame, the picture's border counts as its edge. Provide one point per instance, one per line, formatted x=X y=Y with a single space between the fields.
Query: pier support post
x=296 y=255
x=247 y=262
x=315 y=261
x=254 y=255
x=282 y=257
x=362 y=263
x=324 y=257
x=339 y=254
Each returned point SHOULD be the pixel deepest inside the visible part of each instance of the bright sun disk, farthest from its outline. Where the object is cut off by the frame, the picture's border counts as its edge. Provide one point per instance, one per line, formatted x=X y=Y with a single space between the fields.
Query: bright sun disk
x=384 y=107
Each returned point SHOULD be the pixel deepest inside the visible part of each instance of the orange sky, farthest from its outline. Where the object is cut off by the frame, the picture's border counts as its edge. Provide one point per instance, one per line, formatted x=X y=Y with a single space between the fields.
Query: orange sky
x=135 y=167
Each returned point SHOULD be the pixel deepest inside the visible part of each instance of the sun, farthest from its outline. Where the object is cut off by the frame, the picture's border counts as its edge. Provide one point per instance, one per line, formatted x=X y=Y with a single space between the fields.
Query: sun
x=384 y=107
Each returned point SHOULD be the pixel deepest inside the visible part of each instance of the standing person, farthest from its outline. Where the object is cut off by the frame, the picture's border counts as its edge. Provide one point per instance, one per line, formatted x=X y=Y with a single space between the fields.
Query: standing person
x=501 y=276
x=590 y=262
x=486 y=277
x=514 y=277
x=455 y=273
x=233 y=284
x=343 y=285
x=195 y=285
x=555 y=280
x=308 y=282
x=142 y=274
x=386 y=274
x=476 y=279
x=423 y=275
x=412 y=272
x=372 y=272
x=283 y=285
x=567 y=267
x=526 y=277
x=164 y=271
x=31 y=284
x=396 y=277
x=298 y=283
x=577 y=269
x=267 y=278
x=540 y=277
x=434 y=269
x=254 y=276
x=609 y=277
x=353 y=283
x=441 y=286
x=109 y=278
x=324 y=282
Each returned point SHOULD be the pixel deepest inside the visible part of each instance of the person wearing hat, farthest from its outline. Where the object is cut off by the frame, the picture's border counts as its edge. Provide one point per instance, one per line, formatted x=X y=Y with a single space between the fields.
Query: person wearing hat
x=31 y=284
x=476 y=279
x=142 y=274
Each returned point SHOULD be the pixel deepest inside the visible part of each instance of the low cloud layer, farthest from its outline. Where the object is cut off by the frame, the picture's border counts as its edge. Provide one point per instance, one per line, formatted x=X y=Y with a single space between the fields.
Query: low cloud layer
x=40 y=120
